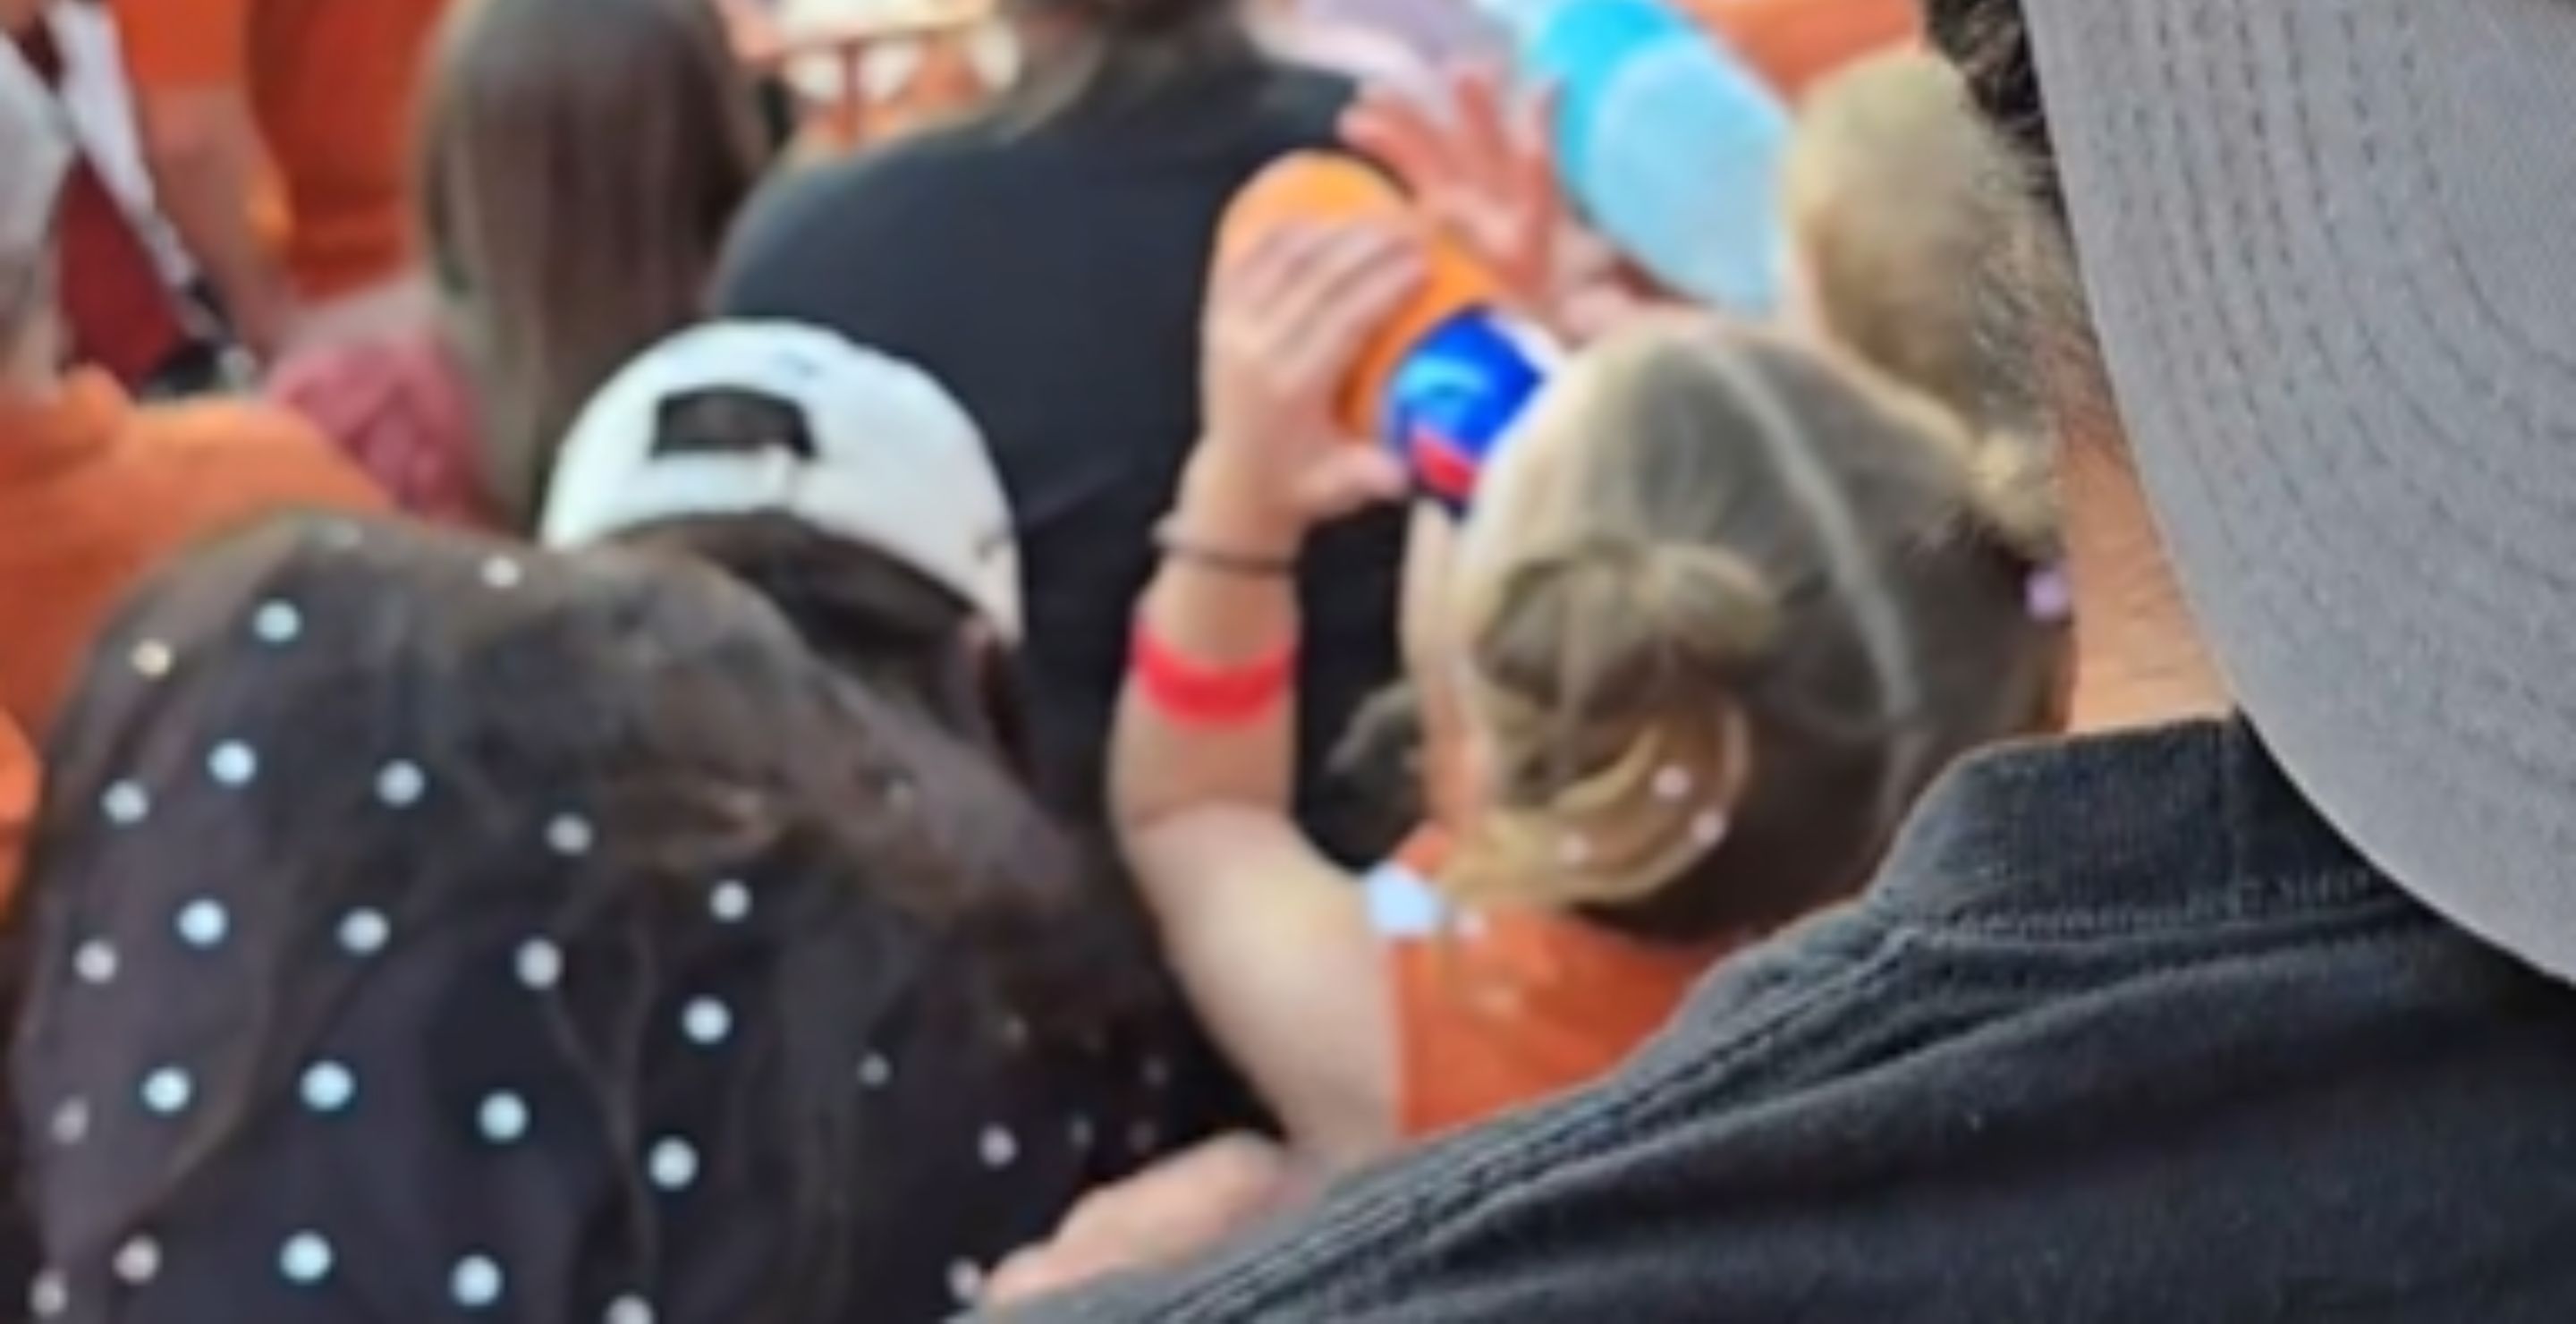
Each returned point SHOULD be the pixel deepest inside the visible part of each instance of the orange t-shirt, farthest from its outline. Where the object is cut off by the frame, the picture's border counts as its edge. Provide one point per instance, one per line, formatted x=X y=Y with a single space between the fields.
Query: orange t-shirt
x=94 y=493
x=18 y=783
x=333 y=83
x=1796 y=43
x=1498 y=1008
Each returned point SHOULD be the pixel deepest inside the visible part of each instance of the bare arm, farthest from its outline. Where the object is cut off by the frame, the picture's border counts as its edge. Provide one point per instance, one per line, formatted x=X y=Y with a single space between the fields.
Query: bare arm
x=203 y=147
x=189 y=61
x=1272 y=942
x=1181 y=1207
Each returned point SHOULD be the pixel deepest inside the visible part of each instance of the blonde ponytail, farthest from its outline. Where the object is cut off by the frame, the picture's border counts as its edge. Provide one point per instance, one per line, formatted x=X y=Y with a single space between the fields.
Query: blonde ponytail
x=2012 y=493
x=2007 y=486
x=1769 y=593
x=1602 y=670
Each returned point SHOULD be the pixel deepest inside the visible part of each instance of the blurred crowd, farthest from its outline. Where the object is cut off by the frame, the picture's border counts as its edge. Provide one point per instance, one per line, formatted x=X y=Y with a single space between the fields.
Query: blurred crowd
x=1432 y=660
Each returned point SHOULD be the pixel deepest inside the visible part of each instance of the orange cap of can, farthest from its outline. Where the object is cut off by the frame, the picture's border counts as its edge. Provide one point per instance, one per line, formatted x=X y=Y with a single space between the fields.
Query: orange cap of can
x=1323 y=186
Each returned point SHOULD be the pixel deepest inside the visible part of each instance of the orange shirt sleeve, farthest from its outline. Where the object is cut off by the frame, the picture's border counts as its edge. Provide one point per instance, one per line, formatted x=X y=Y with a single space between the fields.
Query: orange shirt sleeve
x=175 y=45
x=231 y=459
x=149 y=482
x=18 y=779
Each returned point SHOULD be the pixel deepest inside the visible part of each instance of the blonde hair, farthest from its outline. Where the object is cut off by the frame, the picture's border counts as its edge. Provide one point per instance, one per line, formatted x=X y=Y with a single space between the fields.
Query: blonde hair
x=580 y=162
x=1770 y=595
x=1899 y=204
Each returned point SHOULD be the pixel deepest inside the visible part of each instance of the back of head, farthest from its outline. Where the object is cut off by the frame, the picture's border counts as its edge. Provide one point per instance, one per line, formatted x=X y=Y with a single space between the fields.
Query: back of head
x=845 y=484
x=1756 y=601
x=1900 y=201
x=580 y=163
x=1105 y=56
x=909 y=639
x=569 y=905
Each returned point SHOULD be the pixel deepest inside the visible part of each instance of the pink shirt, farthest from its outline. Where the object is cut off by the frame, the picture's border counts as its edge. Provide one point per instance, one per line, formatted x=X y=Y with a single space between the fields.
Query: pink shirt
x=400 y=407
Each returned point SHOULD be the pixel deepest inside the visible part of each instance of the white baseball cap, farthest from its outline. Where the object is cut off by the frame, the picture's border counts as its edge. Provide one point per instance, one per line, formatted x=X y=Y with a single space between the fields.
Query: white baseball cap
x=885 y=457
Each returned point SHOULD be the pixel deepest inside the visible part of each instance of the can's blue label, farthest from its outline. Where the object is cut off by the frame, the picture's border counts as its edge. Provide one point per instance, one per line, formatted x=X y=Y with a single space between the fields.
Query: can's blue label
x=1456 y=394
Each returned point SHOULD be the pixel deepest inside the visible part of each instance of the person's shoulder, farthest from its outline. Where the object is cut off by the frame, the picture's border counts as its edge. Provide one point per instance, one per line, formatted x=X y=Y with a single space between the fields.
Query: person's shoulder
x=811 y=211
x=921 y=164
x=220 y=453
x=883 y=175
x=179 y=45
x=1303 y=105
x=400 y=408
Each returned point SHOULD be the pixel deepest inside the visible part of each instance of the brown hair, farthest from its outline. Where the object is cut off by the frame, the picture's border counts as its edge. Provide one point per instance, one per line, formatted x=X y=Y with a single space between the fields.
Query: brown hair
x=1989 y=42
x=874 y=618
x=1770 y=596
x=695 y=738
x=2035 y=272
x=1104 y=55
x=580 y=161
x=1897 y=201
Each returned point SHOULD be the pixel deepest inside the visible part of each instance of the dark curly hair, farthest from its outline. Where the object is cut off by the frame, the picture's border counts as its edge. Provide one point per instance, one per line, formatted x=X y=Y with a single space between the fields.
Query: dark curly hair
x=578 y=748
x=1112 y=55
x=1989 y=40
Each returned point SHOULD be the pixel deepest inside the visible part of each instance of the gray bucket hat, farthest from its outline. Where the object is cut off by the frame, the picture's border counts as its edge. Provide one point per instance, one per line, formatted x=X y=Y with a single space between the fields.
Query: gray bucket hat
x=2331 y=250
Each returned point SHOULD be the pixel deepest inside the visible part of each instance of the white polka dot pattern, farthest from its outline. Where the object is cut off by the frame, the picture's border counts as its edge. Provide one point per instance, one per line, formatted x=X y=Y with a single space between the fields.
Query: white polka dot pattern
x=539 y=963
x=502 y=573
x=70 y=1123
x=364 y=932
x=475 y=1282
x=328 y=1087
x=503 y=1117
x=47 y=1296
x=305 y=1258
x=628 y=1310
x=202 y=923
x=138 y=1260
x=706 y=1022
x=875 y=1071
x=95 y=961
x=965 y=1281
x=997 y=1147
x=167 y=1091
x=568 y=835
x=125 y=803
x=233 y=764
x=400 y=784
x=730 y=902
x=673 y=1164
x=277 y=622
x=152 y=659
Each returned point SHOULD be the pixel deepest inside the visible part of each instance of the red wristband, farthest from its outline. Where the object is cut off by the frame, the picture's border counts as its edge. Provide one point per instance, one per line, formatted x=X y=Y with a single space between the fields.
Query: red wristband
x=1195 y=694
